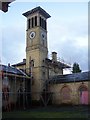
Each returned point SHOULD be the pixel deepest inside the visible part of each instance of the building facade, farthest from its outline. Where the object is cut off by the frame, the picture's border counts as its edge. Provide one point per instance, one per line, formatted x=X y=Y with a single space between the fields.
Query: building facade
x=43 y=70
x=38 y=66
x=70 y=89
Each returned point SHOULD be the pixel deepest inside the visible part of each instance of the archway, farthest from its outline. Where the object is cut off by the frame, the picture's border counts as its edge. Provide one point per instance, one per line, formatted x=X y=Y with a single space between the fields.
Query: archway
x=83 y=95
x=66 y=95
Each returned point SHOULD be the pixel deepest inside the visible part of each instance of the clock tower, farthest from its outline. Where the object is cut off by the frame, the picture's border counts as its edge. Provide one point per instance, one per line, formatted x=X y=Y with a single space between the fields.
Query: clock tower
x=36 y=49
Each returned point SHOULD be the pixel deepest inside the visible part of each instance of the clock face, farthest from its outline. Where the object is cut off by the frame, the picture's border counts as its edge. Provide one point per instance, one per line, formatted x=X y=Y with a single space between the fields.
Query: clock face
x=32 y=34
x=43 y=35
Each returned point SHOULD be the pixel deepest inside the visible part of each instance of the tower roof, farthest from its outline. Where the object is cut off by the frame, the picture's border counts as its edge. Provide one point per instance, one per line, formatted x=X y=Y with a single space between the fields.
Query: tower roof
x=39 y=10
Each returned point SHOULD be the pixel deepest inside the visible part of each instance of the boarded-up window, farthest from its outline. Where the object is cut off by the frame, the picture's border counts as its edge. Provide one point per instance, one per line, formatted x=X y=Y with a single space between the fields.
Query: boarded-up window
x=65 y=94
x=83 y=95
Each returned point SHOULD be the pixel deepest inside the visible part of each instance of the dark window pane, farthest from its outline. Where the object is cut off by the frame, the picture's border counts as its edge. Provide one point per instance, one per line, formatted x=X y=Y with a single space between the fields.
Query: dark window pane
x=45 y=25
x=35 y=20
x=32 y=63
x=40 y=21
x=29 y=24
x=32 y=23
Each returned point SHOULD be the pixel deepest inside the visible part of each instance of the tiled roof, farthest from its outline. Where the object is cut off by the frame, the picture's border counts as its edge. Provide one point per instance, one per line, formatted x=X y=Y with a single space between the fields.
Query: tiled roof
x=76 y=77
x=11 y=69
x=37 y=9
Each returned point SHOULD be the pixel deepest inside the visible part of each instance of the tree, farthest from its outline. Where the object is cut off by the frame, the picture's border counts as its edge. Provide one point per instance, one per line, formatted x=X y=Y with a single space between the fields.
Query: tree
x=76 y=68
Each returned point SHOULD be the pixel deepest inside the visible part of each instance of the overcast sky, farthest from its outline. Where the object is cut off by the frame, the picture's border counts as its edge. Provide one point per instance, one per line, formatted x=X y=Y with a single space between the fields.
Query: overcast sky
x=67 y=31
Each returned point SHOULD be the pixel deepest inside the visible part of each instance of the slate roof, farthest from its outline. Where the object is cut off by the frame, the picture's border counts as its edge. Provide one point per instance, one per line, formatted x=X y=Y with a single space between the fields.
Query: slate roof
x=37 y=9
x=76 y=77
x=19 y=64
x=12 y=70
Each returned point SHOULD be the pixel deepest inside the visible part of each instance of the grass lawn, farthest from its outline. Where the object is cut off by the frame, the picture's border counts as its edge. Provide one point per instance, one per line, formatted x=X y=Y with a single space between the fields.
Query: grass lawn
x=44 y=115
x=48 y=113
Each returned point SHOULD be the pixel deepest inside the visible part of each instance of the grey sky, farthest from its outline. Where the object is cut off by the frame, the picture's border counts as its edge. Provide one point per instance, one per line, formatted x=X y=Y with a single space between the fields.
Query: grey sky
x=67 y=32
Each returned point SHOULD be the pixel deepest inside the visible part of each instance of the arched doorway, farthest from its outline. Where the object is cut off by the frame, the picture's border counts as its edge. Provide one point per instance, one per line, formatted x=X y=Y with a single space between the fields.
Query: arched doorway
x=66 y=95
x=83 y=95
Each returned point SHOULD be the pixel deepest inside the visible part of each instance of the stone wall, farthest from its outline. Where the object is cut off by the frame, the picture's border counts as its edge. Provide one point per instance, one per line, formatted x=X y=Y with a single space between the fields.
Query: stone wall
x=69 y=95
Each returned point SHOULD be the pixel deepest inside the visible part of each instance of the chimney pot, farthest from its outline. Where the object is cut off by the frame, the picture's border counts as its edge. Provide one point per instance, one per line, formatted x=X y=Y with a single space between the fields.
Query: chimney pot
x=24 y=60
x=8 y=64
x=54 y=56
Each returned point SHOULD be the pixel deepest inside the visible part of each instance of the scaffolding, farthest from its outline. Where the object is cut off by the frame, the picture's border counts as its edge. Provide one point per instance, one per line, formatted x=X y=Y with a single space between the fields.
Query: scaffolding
x=13 y=95
x=23 y=94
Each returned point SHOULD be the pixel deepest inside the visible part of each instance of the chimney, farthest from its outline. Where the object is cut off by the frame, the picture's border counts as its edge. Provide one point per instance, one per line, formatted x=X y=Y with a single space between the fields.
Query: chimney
x=8 y=64
x=24 y=60
x=54 y=56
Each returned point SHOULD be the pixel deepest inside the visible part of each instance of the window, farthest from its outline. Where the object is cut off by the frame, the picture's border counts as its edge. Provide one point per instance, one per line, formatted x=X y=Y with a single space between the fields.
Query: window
x=40 y=21
x=45 y=25
x=28 y=23
x=32 y=63
x=35 y=20
x=32 y=23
